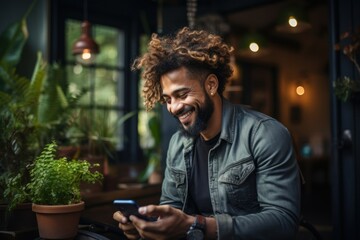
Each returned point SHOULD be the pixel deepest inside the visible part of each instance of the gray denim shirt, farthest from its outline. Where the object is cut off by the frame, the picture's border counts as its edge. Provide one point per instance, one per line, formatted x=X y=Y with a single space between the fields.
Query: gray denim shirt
x=253 y=177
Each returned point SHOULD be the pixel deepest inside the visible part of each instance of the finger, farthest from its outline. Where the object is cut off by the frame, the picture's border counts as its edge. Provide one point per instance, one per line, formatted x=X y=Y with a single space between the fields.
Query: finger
x=156 y=211
x=118 y=216
x=128 y=227
x=145 y=227
x=136 y=221
x=129 y=230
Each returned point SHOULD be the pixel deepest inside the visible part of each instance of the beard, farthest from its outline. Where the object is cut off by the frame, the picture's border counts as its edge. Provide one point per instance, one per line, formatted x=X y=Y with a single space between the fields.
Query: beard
x=201 y=122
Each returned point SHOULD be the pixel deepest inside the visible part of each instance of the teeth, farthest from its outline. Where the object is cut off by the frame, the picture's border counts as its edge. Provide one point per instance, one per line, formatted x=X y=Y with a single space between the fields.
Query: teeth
x=186 y=115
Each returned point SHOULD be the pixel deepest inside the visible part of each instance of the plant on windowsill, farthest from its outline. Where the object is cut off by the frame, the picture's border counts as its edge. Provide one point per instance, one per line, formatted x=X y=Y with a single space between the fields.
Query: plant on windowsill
x=152 y=173
x=95 y=135
x=349 y=45
x=54 y=186
x=96 y=129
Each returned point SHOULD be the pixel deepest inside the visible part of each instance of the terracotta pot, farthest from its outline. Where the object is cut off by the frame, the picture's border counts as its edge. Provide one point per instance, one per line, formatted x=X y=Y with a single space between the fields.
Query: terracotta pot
x=58 y=221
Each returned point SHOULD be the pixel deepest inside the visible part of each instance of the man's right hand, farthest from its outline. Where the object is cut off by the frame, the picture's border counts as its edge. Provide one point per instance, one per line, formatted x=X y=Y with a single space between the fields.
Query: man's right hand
x=126 y=226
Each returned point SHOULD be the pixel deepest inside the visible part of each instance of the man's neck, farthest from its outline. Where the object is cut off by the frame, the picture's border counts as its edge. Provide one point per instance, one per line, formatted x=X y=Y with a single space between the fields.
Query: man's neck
x=214 y=124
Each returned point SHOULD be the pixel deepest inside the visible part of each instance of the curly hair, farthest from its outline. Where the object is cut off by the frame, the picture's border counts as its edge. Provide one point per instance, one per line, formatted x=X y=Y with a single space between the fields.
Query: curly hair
x=196 y=50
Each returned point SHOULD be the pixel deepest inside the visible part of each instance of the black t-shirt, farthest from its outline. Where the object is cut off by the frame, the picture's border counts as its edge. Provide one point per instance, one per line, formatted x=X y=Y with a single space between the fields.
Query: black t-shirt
x=199 y=194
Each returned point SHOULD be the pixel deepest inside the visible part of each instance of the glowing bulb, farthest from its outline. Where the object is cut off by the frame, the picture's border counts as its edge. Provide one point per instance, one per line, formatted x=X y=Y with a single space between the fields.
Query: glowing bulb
x=292 y=21
x=254 y=47
x=300 y=90
x=86 y=55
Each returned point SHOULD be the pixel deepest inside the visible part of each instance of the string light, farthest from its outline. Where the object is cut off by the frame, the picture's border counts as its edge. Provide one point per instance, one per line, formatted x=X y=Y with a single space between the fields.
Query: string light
x=191 y=12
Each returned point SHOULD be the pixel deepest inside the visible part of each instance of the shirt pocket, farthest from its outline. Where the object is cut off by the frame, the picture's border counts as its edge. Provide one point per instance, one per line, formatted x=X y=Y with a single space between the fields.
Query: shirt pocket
x=179 y=178
x=239 y=183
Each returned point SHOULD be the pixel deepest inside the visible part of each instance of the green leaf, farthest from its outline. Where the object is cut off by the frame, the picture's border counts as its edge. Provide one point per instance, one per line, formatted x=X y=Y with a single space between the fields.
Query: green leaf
x=36 y=85
x=154 y=126
x=52 y=102
x=13 y=40
x=5 y=99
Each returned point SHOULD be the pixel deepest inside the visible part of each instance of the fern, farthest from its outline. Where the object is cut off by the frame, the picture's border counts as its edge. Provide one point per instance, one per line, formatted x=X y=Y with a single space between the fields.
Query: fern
x=54 y=181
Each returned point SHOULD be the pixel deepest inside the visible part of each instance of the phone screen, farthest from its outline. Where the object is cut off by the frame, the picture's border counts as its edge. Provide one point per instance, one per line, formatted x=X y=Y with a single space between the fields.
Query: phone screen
x=130 y=207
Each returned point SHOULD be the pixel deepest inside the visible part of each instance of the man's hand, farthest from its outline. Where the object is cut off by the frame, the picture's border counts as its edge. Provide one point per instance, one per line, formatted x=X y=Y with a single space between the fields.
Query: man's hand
x=171 y=223
x=126 y=226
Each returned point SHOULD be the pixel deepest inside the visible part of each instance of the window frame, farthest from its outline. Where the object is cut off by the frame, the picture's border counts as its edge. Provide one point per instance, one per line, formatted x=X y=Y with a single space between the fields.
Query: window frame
x=59 y=13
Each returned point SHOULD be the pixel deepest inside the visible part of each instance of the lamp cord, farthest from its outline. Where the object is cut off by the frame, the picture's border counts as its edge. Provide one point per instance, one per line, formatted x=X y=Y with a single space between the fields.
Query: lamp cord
x=85 y=10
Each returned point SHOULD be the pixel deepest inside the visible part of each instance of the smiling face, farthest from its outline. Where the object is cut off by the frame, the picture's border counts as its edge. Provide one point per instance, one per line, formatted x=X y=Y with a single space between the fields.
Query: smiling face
x=187 y=100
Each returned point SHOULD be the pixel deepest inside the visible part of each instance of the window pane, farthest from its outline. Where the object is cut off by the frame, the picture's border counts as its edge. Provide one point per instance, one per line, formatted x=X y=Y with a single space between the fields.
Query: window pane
x=108 y=127
x=108 y=83
x=102 y=105
x=110 y=41
x=73 y=31
x=102 y=128
x=79 y=79
x=146 y=139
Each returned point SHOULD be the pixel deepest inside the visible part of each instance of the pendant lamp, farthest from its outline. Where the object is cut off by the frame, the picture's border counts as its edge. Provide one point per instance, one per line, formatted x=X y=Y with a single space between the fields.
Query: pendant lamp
x=293 y=19
x=253 y=44
x=85 y=48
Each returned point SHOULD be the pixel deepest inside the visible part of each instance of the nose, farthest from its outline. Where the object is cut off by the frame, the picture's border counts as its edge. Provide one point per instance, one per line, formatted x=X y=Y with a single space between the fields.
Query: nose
x=175 y=107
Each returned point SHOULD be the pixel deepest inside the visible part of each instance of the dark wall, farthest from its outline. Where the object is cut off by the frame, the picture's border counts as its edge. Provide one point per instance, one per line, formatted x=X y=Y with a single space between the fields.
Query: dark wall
x=344 y=17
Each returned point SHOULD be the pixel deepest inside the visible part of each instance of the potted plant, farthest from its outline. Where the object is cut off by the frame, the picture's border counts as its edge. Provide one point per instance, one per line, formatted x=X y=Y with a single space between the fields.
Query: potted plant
x=95 y=133
x=33 y=110
x=22 y=128
x=97 y=130
x=54 y=190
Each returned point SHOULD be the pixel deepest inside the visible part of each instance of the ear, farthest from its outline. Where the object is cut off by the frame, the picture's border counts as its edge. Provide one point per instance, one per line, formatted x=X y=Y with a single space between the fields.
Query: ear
x=211 y=84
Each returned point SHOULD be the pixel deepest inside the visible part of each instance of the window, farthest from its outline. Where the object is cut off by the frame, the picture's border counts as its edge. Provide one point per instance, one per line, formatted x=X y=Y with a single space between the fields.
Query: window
x=100 y=109
x=109 y=93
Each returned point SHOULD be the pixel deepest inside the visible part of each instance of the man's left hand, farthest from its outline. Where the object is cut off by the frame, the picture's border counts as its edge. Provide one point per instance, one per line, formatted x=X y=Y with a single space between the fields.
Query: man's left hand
x=171 y=223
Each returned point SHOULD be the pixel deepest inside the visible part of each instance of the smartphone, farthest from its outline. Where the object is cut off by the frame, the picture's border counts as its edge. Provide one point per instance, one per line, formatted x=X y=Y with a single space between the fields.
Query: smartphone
x=130 y=207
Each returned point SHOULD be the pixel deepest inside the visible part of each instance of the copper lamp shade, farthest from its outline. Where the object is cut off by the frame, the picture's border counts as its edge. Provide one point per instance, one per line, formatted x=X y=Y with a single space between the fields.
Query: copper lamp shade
x=85 y=48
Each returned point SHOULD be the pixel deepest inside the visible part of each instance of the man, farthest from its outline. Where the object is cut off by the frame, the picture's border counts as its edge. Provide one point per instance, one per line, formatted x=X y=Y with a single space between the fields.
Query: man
x=231 y=172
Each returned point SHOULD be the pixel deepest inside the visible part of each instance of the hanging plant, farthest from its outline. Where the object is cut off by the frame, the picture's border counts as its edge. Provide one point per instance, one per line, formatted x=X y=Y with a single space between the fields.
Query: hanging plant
x=349 y=45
